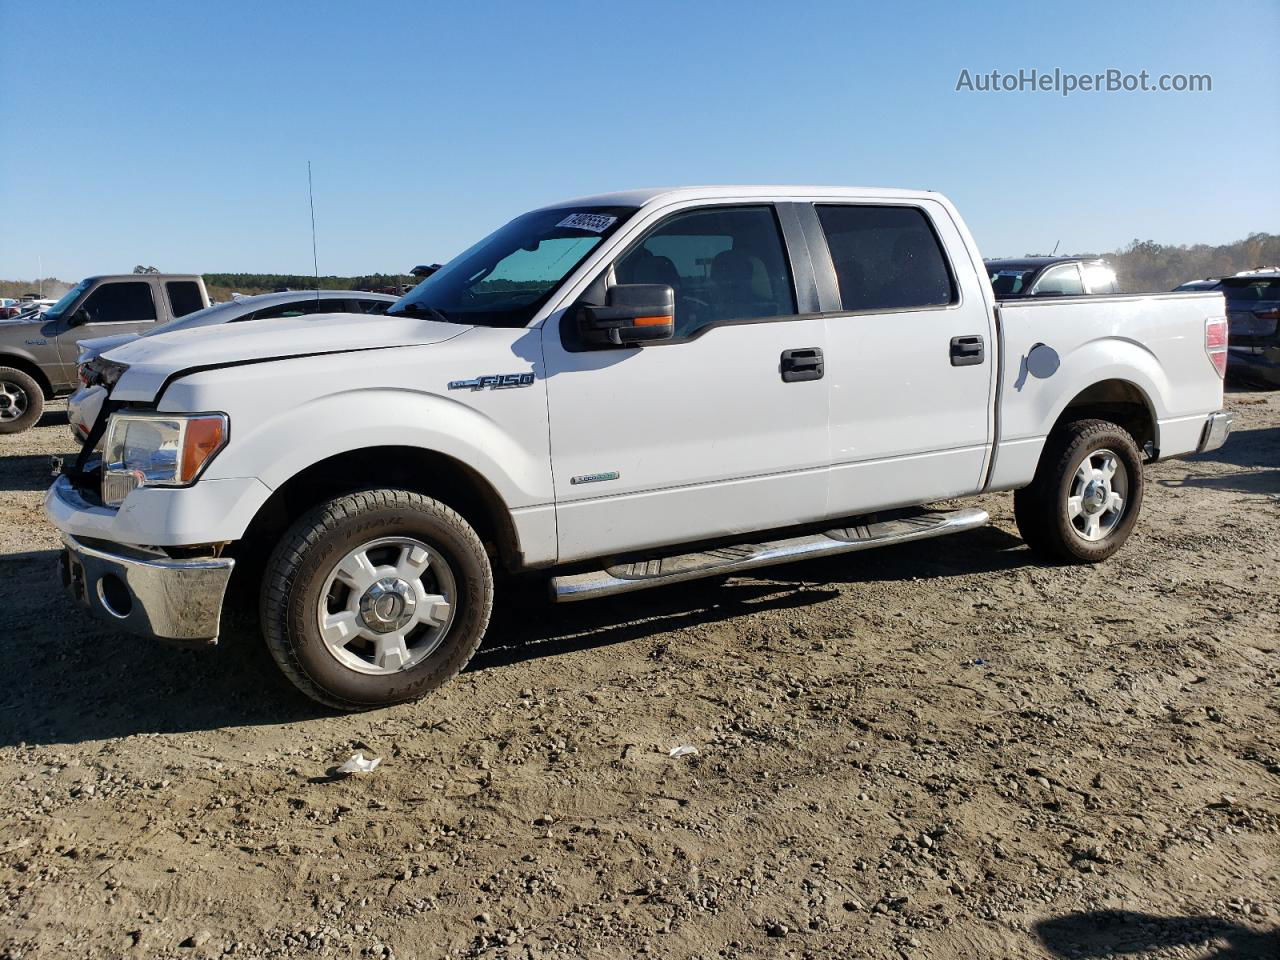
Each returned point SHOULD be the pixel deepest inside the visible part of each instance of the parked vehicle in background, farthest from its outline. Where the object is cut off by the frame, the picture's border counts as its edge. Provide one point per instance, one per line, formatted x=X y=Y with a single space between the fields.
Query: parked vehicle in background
x=84 y=404
x=1051 y=277
x=1253 y=318
x=32 y=306
x=38 y=352
x=621 y=391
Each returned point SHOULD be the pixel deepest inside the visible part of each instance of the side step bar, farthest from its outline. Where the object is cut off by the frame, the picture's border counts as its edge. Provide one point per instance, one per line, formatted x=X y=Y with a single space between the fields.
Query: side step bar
x=627 y=577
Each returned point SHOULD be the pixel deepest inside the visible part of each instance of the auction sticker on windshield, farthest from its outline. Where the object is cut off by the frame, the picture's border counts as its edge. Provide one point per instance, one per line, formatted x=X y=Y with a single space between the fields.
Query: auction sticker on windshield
x=595 y=222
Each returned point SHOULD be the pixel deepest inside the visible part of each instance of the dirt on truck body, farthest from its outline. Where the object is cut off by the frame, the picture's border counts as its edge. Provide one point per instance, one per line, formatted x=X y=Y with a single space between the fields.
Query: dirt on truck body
x=935 y=750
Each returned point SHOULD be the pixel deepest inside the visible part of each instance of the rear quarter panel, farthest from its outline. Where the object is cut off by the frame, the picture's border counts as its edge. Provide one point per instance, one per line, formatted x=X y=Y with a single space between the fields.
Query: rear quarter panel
x=1053 y=350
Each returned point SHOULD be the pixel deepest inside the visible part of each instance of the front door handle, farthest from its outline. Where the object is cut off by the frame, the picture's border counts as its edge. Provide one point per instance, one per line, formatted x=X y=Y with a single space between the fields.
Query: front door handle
x=968 y=351
x=802 y=364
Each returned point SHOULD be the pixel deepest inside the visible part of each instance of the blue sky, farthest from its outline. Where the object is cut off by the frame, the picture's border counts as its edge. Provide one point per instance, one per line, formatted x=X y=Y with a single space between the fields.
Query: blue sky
x=177 y=134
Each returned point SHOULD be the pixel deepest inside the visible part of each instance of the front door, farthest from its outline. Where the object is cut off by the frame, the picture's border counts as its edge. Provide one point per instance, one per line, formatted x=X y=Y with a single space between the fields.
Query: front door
x=718 y=432
x=910 y=356
x=113 y=308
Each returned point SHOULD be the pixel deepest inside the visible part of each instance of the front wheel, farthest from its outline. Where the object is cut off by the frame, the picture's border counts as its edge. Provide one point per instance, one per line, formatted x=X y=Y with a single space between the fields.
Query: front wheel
x=21 y=401
x=1086 y=495
x=375 y=598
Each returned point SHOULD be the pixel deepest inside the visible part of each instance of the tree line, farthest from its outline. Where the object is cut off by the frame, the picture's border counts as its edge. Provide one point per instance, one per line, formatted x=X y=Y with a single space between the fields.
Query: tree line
x=1142 y=266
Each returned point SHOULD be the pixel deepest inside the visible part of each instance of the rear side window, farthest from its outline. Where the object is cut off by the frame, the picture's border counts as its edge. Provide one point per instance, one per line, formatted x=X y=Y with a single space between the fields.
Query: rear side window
x=184 y=297
x=298 y=308
x=127 y=302
x=372 y=306
x=1062 y=281
x=1099 y=278
x=886 y=258
x=723 y=263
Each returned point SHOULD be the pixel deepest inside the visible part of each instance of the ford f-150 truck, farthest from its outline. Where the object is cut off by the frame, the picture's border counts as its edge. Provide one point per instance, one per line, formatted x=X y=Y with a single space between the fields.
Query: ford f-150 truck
x=38 y=352
x=620 y=391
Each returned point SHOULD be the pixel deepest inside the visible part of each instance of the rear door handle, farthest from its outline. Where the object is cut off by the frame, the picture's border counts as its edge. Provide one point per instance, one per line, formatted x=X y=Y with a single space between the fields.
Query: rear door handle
x=804 y=363
x=968 y=351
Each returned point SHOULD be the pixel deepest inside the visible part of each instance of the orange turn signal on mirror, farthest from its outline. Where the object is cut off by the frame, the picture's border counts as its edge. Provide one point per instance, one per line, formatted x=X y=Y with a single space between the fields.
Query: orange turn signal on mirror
x=652 y=321
x=201 y=439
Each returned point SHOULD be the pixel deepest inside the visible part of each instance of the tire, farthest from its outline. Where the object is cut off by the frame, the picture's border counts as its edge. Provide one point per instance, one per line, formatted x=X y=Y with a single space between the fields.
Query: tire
x=423 y=565
x=21 y=401
x=1067 y=514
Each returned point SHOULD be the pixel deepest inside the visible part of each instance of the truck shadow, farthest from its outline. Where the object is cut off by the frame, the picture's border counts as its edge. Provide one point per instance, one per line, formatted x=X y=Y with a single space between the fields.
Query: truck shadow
x=25 y=472
x=1257 y=451
x=1110 y=933
x=73 y=680
x=528 y=626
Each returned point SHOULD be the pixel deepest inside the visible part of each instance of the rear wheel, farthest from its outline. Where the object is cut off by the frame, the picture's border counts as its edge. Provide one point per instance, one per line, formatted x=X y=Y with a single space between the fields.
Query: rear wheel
x=21 y=401
x=1086 y=495
x=375 y=598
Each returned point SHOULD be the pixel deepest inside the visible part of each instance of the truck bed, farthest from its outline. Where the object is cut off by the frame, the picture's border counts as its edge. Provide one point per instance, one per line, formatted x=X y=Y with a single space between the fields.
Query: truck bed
x=1054 y=348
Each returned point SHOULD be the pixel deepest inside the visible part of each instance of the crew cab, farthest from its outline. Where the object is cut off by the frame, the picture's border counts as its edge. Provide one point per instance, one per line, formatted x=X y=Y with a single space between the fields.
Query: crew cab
x=38 y=351
x=615 y=393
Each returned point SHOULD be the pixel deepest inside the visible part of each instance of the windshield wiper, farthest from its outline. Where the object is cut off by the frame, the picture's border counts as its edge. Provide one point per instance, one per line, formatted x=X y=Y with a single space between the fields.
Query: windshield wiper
x=423 y=309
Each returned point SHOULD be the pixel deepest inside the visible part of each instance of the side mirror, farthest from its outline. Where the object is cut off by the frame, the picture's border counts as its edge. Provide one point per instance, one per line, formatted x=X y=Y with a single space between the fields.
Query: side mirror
x=635 y=313
x=79 y=318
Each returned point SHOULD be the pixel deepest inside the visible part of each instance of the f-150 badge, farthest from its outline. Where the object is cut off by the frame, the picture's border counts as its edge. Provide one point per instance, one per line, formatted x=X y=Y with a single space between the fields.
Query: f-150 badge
x=494 y=381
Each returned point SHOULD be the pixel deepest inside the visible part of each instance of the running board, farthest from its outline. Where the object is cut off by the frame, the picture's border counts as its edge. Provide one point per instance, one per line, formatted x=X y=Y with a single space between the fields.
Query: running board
x=626 y=577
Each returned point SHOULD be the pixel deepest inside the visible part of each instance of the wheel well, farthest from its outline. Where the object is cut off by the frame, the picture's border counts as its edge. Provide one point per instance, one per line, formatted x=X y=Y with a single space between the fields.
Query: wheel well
x=433 y=474
x=30 y=369
x=1120 y=402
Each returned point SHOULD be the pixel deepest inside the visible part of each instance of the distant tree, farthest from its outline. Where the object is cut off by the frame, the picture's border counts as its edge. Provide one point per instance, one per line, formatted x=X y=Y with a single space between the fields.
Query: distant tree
x=141 y=269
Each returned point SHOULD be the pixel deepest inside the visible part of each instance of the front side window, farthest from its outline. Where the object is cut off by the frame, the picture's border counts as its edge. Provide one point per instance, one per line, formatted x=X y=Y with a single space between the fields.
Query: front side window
x=723 y=263
x=1061 y=281
x=886 y=258
x=126 y=302
x=373 y=306
x=505 y=279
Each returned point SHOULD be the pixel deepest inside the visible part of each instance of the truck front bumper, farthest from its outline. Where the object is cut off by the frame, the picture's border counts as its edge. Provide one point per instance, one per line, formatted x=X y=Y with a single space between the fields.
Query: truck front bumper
x=154 y=596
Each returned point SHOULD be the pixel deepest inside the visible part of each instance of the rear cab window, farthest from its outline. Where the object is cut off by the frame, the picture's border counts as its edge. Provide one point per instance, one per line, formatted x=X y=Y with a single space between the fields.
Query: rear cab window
x=886 y=258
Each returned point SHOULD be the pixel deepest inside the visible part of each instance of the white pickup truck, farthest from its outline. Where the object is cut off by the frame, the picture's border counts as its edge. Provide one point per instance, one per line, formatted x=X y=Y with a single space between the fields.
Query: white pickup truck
x=622 y=391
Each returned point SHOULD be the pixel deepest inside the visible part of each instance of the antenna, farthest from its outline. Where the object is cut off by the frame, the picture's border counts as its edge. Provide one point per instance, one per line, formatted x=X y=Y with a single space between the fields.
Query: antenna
x=313 y=227
x=315 y=262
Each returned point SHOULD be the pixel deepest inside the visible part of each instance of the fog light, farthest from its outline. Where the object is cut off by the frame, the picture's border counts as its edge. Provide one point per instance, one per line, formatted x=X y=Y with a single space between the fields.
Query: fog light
x=115 y=596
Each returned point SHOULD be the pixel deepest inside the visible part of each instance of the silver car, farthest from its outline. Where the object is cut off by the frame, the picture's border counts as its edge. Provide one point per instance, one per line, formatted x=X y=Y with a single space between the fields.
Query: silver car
x=85 y=404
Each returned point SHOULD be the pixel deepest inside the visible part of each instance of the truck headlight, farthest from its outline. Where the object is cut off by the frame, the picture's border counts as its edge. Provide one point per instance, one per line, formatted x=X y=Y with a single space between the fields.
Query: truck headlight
x=158 y=450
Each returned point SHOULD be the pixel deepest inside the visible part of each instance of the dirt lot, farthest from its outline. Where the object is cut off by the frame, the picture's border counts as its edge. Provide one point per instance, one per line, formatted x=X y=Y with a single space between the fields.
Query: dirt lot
x=937 y=750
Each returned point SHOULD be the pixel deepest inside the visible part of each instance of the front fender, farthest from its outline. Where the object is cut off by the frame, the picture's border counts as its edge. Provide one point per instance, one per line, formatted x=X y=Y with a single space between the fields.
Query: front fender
x=278 y=447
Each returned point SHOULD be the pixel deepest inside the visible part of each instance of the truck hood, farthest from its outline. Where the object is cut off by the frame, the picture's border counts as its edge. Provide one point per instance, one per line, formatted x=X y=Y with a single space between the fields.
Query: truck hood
x=155 y=359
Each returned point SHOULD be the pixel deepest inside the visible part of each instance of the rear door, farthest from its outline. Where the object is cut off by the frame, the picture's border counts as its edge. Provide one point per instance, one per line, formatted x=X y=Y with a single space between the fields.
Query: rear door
x=910 y=354
x=713 y=433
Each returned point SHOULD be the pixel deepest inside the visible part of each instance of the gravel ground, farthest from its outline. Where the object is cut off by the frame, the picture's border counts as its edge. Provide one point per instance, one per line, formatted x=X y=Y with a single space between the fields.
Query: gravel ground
x=935 y=750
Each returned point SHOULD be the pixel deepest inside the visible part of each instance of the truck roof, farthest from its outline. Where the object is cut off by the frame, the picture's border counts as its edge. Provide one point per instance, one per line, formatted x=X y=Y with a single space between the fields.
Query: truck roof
x=1030 y=263
x=646 y=196
x=144 y=276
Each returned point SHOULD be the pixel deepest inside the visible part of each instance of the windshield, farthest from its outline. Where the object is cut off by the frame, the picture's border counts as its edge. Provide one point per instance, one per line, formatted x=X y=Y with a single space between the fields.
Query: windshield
x=68 y=298
x=504 y=279
x=201 y=318
x=1008 y=282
